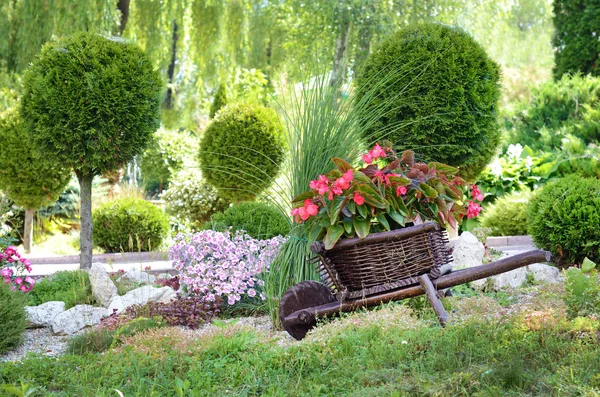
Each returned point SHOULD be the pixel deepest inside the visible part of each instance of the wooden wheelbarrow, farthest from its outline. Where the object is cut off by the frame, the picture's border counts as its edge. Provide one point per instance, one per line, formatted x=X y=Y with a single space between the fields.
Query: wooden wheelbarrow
x=380 y=268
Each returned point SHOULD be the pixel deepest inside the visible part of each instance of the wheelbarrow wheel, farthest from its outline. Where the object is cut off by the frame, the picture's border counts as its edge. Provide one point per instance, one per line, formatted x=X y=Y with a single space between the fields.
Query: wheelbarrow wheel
x=304 y=295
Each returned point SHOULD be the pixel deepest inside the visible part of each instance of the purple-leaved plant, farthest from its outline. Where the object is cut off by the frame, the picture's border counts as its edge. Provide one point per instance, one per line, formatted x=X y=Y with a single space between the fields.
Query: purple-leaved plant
x=218 y=265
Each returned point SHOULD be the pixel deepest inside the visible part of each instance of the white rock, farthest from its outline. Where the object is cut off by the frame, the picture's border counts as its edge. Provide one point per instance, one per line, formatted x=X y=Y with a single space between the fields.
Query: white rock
x=516 y=278
x=103 y=288
x=468 y=252
x=44 y=314
x=77 y=318
x=141 y=296
x=137 y=276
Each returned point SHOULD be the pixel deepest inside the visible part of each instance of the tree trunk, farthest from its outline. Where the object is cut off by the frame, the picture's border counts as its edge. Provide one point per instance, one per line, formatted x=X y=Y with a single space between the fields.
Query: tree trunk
x=28 y=232
x=123 y=6
x=85 y=215
x=337 y=74
x=168 y=104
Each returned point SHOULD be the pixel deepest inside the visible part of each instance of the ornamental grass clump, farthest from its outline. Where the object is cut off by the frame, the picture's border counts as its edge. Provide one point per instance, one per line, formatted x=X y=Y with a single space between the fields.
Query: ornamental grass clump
x=386 y=193
x=13 y=318
x=215 y=264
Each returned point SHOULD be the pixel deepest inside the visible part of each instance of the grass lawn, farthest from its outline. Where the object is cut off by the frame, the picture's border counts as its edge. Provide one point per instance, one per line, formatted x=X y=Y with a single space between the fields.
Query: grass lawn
x=493 y=347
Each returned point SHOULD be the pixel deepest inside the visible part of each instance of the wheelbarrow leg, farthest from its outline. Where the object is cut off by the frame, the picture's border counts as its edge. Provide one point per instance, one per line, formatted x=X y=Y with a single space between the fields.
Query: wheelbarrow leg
x=434 y=299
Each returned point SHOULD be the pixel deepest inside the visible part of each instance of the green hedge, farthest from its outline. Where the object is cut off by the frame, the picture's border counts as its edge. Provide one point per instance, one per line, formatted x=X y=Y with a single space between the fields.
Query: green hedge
x=242 y=150
x=129 y=225
x=259 y=220
x=13 y=318
x=508 y=215
x=443 y=99
x=564 y=218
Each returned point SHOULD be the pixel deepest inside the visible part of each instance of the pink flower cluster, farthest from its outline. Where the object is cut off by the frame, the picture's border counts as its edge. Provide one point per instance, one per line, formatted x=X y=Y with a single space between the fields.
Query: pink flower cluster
x=215 y=264
x=474 y=208
x=12 y=265
x=373 y=154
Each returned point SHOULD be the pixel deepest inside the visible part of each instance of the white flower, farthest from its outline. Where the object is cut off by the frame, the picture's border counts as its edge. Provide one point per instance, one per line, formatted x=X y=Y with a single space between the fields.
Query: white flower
x=496 y=168
x=514 y=151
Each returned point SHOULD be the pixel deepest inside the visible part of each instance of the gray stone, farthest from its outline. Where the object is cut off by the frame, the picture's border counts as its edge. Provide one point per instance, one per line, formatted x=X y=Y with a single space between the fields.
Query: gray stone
x=141 y=296
x=468 y=252
x=516 y=278
x=44 y=314
x=137 y=276
x=77 y=318
x=103 y=288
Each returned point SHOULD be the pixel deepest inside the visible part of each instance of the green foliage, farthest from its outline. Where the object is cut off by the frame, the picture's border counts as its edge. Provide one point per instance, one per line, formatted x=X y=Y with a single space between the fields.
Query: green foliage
x=582 y=290
x=261 y=221
x=71 y=287
x=191 y=200
x=102 y=110
x=444 y=105
x=66 y=207
x=242 y=150
x=575 y=41
x=556 y=110
x=219 y=101
x=508 y=215
x=30 y=178
x=129 y=225
x=164 y=157
x=13 y=318
x=563 y=218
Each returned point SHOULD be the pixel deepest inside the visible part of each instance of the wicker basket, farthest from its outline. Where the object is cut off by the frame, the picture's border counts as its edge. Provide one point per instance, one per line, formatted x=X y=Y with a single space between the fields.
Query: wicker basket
x=380 y=262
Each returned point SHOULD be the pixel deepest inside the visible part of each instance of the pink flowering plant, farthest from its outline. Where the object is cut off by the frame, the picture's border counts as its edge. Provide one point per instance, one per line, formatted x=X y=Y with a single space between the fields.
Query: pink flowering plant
x=386 y=193
x=223 y=265
x=13 y=268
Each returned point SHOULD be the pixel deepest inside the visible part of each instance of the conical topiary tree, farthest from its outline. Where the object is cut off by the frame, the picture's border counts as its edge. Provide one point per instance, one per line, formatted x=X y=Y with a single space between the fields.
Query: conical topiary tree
x=93 y=102
x=29 y=178
x=219 y=101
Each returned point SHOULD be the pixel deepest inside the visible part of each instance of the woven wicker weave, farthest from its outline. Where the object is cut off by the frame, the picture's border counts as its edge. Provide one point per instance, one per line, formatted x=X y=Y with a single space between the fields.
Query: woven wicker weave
x=380 y=262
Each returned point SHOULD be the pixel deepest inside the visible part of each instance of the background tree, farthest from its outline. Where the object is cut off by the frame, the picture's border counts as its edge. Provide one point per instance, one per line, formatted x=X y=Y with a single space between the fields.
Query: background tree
x=94 y=102
x=30 y=179
x=576 y=40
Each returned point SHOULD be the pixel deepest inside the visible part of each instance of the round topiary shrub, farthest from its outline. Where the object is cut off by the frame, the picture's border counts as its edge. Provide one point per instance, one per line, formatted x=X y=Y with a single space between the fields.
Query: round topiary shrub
x=259 y=220
x=129 y=225
x=242 y=150
x=564 y=218
x=437 y=91
x=192 y=200
x=508 y=215
x=13 y=318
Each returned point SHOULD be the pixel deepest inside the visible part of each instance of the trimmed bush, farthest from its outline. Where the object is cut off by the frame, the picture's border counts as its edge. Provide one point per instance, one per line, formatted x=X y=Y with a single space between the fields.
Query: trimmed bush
x=129 y=225
x=508 y=215
x=564 y=218
x=192 y=200
x=557 y=109
x=242 y=150
x=13 y=318
x=442 y=104
x=259 y=220
x=72 y=287
x=576 y=44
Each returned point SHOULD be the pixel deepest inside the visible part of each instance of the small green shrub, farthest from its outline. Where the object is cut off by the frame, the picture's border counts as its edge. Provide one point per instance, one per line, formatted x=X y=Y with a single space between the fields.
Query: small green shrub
x=576 y=44
x=192 y=200
x=13 y=318
x=71 y=287
x=219 y=101
x=563 y=218
x=557 y=109
x=444 y=102
x=129 y=225
x=242 y=150
x=508 y=215
x=582 y=290
x=259 y=220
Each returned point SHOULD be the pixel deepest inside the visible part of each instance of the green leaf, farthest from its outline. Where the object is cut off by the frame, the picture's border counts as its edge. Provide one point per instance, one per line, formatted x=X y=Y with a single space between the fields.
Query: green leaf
x=443 y=168
x=587 y=265
x=335 y=207
x=351 y=206
x=402 y=209
x=362 y=210
x=382 y=219
x=374 y=202
x=399 y=180
x=427 y=190
x=334 y=232
x=362 y=227
x=396 y=216
x=374 y=199
x=348 y=225
x=342 y=164
x=314 y=232
x=307 y=195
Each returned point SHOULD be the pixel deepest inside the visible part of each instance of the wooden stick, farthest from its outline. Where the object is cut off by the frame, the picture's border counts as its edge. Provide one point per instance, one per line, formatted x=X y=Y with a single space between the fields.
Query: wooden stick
x=431 y=292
